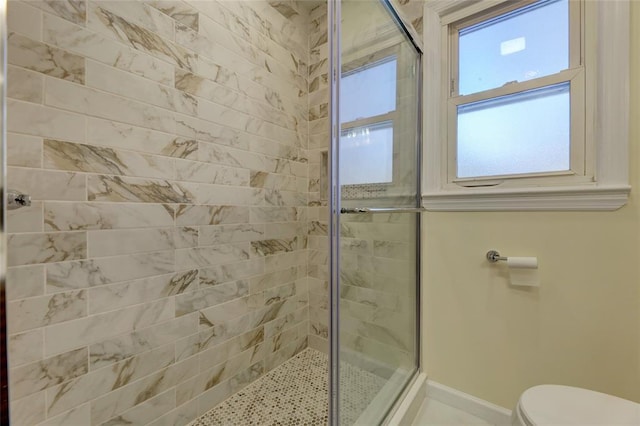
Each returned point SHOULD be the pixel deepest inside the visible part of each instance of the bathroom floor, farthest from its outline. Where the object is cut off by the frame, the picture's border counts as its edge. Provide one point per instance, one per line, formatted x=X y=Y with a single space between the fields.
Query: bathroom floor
x=295 y=393
x=433 y=412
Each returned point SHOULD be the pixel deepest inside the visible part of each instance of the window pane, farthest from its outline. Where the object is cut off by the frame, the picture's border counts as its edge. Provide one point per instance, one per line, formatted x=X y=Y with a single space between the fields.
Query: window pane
x=369 y=91
x=366 y=154
x=523 y=133
x=527 y=43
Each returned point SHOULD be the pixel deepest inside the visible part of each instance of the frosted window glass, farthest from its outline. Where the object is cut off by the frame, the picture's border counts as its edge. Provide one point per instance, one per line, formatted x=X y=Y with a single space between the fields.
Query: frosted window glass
x=368 y=92
x=366 y=154
x=528 y=132
x=528 y=43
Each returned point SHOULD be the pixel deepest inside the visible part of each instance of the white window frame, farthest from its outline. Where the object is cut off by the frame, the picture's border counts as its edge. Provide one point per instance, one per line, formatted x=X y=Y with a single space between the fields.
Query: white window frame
x=574 y=75
x=599 y=178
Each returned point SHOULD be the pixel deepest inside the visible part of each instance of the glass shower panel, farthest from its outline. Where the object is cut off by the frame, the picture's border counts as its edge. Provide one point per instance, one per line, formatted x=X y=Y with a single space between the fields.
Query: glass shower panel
x=378 y=277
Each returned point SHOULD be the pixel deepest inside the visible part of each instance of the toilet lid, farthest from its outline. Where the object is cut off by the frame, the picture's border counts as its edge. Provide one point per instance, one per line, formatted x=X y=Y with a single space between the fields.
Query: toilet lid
x=565 y=405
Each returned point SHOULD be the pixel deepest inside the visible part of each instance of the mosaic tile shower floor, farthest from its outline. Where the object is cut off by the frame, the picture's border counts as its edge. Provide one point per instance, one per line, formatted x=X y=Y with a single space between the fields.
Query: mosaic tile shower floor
x=295 y=393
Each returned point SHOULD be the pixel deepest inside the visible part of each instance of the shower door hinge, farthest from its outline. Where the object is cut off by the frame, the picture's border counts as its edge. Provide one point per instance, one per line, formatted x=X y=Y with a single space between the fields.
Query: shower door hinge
x=452 y=87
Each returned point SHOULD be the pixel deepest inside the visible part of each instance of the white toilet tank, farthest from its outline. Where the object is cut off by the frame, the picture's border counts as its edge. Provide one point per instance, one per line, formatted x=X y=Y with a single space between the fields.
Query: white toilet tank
x=565 y=405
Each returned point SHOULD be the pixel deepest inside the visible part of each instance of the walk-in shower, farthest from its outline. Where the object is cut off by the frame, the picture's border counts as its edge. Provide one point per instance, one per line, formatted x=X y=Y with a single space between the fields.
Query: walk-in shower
x=216 y=211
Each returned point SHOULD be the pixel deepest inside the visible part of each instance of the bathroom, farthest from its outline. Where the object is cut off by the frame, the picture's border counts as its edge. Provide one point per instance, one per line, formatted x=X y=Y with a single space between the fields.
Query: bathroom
x=176 y=251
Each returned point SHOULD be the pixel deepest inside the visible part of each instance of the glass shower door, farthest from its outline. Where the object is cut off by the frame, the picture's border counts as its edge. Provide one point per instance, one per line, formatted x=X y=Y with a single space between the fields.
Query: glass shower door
x=376 y=218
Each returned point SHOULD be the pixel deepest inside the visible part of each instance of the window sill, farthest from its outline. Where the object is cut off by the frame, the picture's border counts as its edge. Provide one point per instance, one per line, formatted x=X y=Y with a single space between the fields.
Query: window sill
x=592 y=198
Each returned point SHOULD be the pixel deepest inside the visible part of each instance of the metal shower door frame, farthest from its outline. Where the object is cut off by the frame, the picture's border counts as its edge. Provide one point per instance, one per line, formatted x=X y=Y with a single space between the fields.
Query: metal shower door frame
x=4 y=376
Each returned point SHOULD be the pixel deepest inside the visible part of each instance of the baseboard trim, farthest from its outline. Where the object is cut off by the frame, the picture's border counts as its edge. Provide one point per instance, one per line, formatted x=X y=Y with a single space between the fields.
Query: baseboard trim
x=485 y=410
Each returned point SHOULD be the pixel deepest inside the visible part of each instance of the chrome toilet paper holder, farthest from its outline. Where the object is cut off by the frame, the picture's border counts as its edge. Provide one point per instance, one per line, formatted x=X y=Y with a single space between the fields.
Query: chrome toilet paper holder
x=493 y=256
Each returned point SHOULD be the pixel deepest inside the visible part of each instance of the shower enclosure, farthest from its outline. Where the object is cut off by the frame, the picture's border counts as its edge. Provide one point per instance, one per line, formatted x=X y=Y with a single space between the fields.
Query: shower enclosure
x=216 y=212
x=375 y=209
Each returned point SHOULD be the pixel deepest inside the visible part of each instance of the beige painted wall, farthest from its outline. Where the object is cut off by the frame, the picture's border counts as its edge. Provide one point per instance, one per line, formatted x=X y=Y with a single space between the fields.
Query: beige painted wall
x=581 y=328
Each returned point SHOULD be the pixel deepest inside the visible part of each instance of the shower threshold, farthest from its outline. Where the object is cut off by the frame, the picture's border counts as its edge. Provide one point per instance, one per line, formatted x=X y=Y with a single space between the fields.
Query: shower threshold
x=296 y=393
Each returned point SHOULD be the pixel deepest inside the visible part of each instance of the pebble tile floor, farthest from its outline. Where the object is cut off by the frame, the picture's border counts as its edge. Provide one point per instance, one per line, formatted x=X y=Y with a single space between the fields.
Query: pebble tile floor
x=296 y=393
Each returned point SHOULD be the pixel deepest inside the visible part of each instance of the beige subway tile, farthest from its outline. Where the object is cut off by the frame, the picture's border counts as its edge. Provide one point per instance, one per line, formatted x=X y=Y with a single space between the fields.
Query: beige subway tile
x=267 y=107
x=25 y=19
x=178 y=10
x=100 y=382
x=215 y=275
x=180 y=416
x=109 y=297
x=91 y=45
x=284 y=260
x=37 y=120
x=206 y=379
x=25 y=347
x=26 y=219
x=80 y=415
x=37 y=56
x=49 y=372
x=116 y=242
x=112 y=350
x=126 y=189
x=140 y=13
x=112 y=25
x=191 y=215
x=32 y=248
x=125 y=136
x=125 y=84
x=25 y=85
x=47 y=185
x=269 y=280
x=193 y=258
x=24 y=151
x=93 y=272
x=193 y=171
x=68 y=156
x=122 y=399
x=194 y=301
x=81 y=99
x=83 y=216
x=71 y=10
x=82 y=332
x=212 y=235
x=269 y=19
x=151 y=409
x=234 y=119
x=273 y=214
x=25 y=281
x=42 y=311
x=228 y=195
x=28 y=410
x=214 y=396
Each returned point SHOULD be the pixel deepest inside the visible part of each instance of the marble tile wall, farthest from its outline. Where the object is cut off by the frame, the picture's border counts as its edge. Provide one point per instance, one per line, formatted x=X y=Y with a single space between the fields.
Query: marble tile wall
x=163 y=262
x=318 y=254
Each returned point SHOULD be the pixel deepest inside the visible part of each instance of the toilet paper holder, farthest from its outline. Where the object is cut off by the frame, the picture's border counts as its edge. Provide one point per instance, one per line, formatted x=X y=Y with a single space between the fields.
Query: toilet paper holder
x=493 y=256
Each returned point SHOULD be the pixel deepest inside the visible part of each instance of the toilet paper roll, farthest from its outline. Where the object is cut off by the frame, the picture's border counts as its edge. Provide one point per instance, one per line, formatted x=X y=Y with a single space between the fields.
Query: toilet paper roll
x=523 y=271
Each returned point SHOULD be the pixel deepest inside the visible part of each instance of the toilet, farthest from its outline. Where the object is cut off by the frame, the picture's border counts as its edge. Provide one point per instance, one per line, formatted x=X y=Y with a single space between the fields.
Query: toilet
x=566 y=405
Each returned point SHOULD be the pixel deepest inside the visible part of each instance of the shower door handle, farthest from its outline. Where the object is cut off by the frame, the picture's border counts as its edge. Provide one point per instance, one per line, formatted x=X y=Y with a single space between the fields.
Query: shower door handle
x=16 y=199
x=360 y=210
